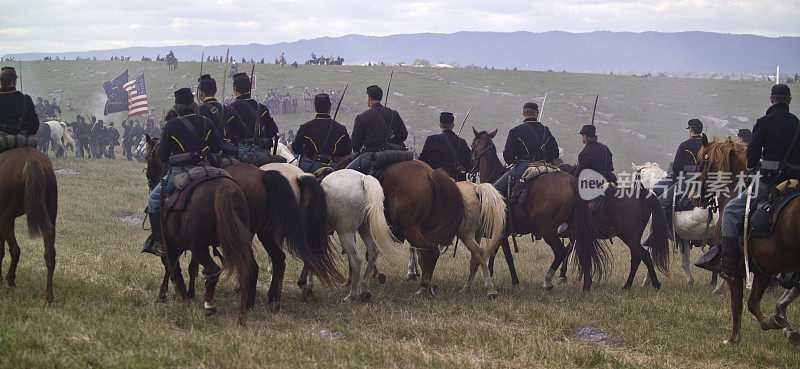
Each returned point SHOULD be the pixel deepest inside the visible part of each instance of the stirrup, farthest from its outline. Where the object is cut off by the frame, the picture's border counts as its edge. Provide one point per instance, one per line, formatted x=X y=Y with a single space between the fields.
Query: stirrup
x=154 y=247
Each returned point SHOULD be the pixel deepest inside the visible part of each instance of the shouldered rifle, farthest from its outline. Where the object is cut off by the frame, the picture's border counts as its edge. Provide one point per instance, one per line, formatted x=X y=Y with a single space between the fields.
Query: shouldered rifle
x=202 y=56
x=541 y=110
x=464 y=122
x=388 y=87
x=225 y=75
x=19 y=63
x=340 y=101
x=595 y=107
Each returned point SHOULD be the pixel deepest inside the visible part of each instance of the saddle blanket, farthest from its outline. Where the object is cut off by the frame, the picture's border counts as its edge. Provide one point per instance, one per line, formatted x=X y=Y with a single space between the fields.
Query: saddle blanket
x=186 y=183
x=762 y=222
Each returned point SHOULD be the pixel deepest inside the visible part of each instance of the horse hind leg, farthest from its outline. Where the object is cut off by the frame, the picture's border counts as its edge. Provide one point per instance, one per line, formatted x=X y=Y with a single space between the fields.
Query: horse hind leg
x=348 y=241
x=277 y=259
x=510 y=261
x=413 y=265
x=7 y=232
x=372 y=258
x=562 y=275
x=779 y=319
x=193 y=268
x=686 y=263
x=559 y=255
x=428 y=255
x=49 y=239
x=760 y=284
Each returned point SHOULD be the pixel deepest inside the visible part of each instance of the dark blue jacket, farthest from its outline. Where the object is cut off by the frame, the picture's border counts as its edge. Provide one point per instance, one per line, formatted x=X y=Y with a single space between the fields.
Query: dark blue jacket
x=310 y=138
x=597 y=157
x=177 y=139
x=772 y=135
x=12 y=105
x=229 y=124
x=256 y=117
x=530 y=141
x=438 y=155
x=369 y=130
x=687 y=155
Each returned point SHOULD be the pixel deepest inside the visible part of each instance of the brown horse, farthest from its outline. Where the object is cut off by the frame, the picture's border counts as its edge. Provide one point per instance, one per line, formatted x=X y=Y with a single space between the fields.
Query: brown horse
x=216 y=214
x=427 y=207
x=624 y=213
x=553 y=201
x=276 y=219
x=28 y=186
x=777 y=253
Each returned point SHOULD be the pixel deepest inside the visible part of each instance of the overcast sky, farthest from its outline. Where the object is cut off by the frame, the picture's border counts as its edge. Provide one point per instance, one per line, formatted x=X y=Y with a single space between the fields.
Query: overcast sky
x=80 y=25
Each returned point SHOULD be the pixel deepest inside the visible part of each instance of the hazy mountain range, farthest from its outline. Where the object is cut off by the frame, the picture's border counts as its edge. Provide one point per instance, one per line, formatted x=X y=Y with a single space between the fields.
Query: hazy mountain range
x=574 y=52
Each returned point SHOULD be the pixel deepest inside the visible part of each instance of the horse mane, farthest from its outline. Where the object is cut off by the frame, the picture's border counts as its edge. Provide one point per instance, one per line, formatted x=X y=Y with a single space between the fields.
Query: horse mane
x=721 y=152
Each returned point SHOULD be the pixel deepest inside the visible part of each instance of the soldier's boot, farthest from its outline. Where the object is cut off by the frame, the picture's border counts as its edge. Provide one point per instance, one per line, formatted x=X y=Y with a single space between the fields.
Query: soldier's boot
x=729 y=250
x=154 y=243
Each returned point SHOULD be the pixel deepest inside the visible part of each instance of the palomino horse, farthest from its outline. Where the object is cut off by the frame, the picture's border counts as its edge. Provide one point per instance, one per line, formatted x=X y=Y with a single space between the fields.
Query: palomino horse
x=691 y=226
x=355 y=206
x=625 y=213
x=777 y=253
x=553 y=201
x=216 y=214
x=28 y=186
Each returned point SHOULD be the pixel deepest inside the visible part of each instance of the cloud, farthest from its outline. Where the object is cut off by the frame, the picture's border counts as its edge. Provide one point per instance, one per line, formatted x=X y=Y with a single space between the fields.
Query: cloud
x=78 y=25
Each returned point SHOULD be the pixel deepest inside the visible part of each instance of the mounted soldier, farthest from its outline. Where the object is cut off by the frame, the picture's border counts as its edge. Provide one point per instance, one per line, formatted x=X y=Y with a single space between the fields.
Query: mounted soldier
x=376 y=129
x=447 y=150
x=526 y=143
x=595 y=156
x=228 y=123
x=187 y=141
x=17 y=112
x=774 y=149
x=321 y=141
x=261 y=128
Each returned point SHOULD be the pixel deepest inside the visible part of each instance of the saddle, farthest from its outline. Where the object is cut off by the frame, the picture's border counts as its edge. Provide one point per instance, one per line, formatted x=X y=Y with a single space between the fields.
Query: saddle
x=383 y=159
x=763 y=219
x=185 y=183
x=259 y=158
x=521 y=191
x=14 y=141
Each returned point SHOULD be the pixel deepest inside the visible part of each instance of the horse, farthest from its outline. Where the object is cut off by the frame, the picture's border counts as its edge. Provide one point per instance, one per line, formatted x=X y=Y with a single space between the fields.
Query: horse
x=57 y=131
x=311 y=198
x=28 y=186
x=172 y=62
x=216 y=214
x=286 y=153
x=776 y=253
x=553 y=201
x=691 y=226
x=624 y=213
x=139 y=152
x=355 y=206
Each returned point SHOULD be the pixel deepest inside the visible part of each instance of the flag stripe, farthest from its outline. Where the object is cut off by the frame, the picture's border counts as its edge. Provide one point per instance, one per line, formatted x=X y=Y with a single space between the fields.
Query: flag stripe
x=137 y=96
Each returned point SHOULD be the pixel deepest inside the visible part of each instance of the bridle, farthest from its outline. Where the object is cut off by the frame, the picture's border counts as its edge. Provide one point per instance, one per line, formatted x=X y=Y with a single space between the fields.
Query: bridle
x=706 y=166
x=476 y=160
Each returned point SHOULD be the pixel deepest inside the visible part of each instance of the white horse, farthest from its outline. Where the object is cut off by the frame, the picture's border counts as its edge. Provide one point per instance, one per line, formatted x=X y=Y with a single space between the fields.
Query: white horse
x=139 y=151
x=287 y=153
x=690 y=226
x=57 y=130
x=484 y=217
x=355 y=205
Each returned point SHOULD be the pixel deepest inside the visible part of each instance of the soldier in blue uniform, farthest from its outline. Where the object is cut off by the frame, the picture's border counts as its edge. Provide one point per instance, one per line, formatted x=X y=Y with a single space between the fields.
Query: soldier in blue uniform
x=228 y=123
x=186 y=142
x=528 y=142
x=376 y=129
x=683 y=165
x=772 y=142
x=261 y=128
x=447 y=150
x=595 y=156
x=17 y=112
x=321 y=141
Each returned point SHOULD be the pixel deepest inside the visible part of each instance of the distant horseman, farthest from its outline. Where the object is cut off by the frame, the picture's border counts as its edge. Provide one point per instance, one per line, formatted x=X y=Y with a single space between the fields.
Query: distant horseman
x=321 y=141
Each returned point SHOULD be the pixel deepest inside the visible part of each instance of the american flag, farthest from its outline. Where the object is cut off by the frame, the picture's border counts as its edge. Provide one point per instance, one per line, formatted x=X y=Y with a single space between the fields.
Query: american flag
x=137 y=96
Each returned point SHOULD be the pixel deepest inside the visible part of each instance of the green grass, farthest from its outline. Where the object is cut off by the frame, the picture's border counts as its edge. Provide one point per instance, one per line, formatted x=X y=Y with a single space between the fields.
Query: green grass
x=105 y=312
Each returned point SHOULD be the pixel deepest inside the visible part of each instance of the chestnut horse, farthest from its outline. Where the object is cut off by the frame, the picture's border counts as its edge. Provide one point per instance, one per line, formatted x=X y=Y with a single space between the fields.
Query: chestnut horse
x=553 y=201
x=28 y=186
x=625 y=213
x=776 y=253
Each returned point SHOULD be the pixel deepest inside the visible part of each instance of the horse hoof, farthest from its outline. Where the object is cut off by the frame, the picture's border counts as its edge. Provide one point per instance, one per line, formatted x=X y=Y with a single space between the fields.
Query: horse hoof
x=657 y=285
x=626 y=286
x=777 y=322
x=350 y=298
x=562 y=280
x=187 y=302
x=492 y=295
x=793 y=337
x=421 y=291
x=308 y=294
x=241 y=321
x=365 y=296
x=690 y=282
x=434 y=290
x=275 y=307
x=411 y=277
x=548 y=288
x=464 y=290
x=190 y=295
x=382 y=279
x=515 y=282
x=162 y=299
x=211 y=311
x=729 y=342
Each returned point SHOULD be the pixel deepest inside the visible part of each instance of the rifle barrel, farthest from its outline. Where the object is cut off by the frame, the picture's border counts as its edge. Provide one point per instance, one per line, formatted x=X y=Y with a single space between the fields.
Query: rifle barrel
x=340 y=101
x=386 y=101
x=595 y=107
x=465 y=122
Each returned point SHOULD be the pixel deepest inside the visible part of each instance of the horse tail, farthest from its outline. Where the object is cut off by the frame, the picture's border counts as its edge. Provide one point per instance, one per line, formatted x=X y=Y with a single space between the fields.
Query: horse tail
x=658 y=235
x=39 y=221
x=493 y=213
x=590 y=251
x=447 y=209
x=375 y=215
x=233 y=235
x=315 y=207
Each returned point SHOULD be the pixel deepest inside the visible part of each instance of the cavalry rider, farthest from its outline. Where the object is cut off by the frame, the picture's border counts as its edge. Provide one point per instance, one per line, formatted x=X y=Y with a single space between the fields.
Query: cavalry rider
x=322 y=140
x=447 y=150
x=376 y=129
x=261 y=128
x=772 y=142
x=528 y=142
x=17 y=112
x=229 y=125
x=685 y=162
x=187 y=141
x=595 y=156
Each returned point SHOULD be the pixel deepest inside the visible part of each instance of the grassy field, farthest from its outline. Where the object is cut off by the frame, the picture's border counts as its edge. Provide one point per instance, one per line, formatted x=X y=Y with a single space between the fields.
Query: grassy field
x=641 y=119
x=105 y=312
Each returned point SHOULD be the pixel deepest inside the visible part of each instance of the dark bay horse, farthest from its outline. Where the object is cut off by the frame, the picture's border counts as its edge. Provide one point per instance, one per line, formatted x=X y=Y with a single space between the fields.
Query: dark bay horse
x=427 y=207
x=625 y=213
x=777 y=253
x=553 y=201
x=216 y=215
x=28 y=186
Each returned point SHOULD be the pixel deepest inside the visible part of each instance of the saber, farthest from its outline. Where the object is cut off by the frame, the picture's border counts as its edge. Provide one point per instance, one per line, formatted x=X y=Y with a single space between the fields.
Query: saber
x=465 y=122
x=386 y=102
x=202 y=57
x=225 y=75
x=340 y=101
x=746 y=229
x=541 y=111
x=674 y=219
x=595 y=111
x=252 y=77
x=19 y=62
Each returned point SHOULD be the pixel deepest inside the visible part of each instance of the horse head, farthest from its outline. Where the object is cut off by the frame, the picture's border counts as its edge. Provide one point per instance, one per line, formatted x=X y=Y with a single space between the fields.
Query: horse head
x=720 y=161
x=155 y=167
